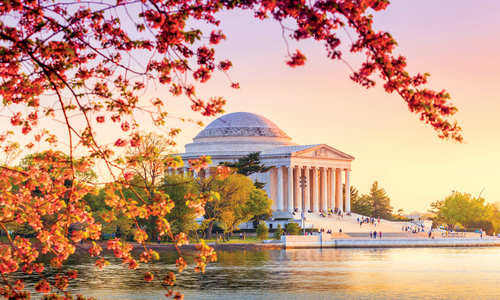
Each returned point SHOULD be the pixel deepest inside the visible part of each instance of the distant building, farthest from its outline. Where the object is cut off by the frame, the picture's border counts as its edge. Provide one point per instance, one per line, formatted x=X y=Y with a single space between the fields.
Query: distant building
x=303 y=177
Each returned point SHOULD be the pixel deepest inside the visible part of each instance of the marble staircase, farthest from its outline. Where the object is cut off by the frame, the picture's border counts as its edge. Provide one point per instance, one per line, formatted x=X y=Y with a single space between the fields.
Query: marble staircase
x=349 y=224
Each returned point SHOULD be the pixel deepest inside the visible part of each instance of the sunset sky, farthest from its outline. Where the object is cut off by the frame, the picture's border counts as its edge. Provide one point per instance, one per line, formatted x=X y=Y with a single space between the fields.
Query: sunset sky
x=457 y=42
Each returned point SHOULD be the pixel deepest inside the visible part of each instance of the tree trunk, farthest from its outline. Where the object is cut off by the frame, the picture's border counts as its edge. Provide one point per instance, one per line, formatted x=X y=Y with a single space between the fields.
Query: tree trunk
x=209 y=229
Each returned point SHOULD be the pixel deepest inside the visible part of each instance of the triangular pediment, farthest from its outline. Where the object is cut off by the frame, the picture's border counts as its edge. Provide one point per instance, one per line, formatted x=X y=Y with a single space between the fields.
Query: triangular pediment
x=323 y=151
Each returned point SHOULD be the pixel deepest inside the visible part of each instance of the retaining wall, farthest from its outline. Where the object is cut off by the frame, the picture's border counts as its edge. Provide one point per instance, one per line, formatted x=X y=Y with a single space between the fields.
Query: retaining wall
x=322 y=241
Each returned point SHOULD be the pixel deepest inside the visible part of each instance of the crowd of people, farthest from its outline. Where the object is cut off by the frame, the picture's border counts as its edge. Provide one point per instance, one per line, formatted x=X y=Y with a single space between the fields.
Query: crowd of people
x=368 y=220
x=329 y=212
x=414 y=228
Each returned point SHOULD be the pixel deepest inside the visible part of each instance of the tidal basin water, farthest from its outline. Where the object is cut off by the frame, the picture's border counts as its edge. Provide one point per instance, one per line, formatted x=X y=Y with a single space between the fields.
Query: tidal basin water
x=404 y=273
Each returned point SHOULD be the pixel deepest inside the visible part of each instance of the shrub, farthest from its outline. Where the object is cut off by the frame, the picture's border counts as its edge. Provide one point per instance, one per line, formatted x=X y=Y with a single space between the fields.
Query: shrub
x=262 y=231
x=293 y=229
x=485 y=225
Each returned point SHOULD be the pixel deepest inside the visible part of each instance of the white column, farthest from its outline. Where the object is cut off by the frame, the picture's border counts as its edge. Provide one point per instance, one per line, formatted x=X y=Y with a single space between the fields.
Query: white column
x=332 y=189
x=298 y=189
x=324 y=195
x=290 y=189
x=338 y=189
x=307 y=190
x=185 y=171
x=347 y=191
x=280 y=188
x=315 y=190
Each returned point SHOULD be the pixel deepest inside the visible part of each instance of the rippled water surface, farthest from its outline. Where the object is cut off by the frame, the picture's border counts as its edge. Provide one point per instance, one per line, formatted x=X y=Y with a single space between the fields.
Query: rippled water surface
x=421 y=273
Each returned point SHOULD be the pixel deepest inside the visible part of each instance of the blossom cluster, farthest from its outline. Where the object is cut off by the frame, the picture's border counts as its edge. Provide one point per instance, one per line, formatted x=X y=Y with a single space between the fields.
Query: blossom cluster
x=88 y=64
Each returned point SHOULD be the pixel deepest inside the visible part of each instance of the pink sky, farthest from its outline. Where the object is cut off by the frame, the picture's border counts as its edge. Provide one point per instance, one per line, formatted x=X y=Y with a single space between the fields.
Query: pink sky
x=456 y=41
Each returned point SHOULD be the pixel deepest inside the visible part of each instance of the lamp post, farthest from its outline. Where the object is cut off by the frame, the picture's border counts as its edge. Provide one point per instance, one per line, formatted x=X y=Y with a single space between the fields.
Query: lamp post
x=303 y=185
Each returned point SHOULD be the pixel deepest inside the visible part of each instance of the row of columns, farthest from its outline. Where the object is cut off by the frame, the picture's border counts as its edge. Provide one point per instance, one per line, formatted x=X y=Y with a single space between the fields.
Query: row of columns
x=185 y=171
x=312 y=189
x=303 y=185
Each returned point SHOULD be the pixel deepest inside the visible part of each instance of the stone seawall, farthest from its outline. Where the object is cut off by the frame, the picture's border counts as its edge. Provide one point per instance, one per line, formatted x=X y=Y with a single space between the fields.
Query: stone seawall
x=318 y=241
x=411 y=243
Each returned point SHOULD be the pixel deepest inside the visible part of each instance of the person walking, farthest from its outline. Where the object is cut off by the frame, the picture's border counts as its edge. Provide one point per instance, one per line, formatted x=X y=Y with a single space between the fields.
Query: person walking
x=380 y=234
x=371 y=235
x=374 y=234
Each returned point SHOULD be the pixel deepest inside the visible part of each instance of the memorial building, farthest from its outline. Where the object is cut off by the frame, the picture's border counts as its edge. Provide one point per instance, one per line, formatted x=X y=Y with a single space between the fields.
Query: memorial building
x=303 y=178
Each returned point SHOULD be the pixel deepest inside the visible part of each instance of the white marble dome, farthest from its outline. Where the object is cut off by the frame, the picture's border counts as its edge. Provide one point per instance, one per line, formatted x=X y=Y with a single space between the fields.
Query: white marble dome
x=241 y=124
x=238 y=132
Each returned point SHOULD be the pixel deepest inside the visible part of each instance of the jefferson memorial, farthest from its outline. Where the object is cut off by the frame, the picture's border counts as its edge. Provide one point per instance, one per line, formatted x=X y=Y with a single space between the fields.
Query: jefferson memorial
x=307 y=178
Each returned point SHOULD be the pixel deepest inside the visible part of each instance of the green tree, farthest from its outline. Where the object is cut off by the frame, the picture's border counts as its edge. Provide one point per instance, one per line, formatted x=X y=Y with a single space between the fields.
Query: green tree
x=465 y=210
x=293 y=228
x=375 y=204
x=181 y=217
x=495 y=217
x=234 y=193
x=278 y=232
x=248 y=165
x=259 y=205
x=381 y=203
x=235 y=200
x=148 y=162
x=262 y=231
x=120 y=225
x=354 y=193
x=361 y=204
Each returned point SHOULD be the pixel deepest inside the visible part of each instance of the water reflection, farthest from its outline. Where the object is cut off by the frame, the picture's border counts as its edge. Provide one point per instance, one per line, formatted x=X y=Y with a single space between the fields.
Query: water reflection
x=437 y=273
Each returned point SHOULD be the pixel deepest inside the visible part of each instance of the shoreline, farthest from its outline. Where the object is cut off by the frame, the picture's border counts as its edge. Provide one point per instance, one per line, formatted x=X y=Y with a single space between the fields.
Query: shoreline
x=298 y=243
x=312 y=242
x=192 y=247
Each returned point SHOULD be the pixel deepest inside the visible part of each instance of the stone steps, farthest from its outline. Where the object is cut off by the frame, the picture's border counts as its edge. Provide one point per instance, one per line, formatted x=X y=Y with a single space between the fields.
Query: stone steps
x=350 y=224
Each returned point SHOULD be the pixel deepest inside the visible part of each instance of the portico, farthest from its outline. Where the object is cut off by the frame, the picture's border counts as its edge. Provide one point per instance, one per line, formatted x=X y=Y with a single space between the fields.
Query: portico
x=311 y=178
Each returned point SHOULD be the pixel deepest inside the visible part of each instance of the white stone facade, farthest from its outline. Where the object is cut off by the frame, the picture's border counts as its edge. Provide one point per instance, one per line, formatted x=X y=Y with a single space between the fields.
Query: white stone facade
x=303 y=177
